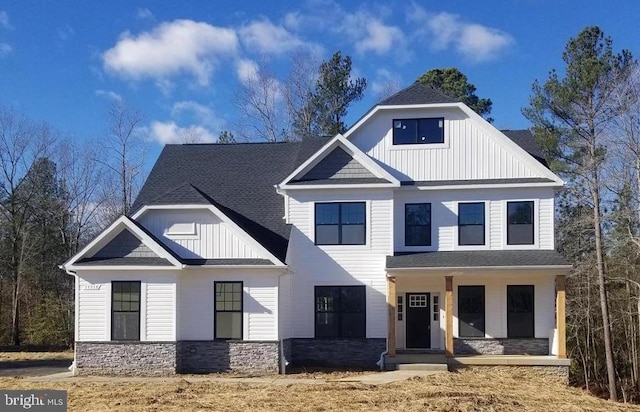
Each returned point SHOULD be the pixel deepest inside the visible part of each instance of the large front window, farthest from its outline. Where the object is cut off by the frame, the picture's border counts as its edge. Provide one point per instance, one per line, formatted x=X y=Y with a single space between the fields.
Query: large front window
x=470 y=224
x=228 y=310
x=418 y=131
x=340 y=223
x=520 y=223
x=125 y=310
x=471 y=311
x=417 y=224
x=340 y=311
x=520 y=315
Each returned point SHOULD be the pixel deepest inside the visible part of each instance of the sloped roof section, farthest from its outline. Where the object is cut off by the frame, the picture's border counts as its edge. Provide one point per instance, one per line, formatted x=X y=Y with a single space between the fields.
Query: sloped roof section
x=417 y=93
x=524 y=138
x=477 y=258
x=239 y=179
x=338 y=165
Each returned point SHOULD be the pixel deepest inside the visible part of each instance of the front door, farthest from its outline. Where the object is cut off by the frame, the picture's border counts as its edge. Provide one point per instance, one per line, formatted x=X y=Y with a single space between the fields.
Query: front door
x=418 y=324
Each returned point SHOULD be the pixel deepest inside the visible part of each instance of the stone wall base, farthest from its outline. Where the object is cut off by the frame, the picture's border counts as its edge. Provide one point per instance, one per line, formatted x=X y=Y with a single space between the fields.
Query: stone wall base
x=501 y=346
x=338 y=352
x=228 y=356
x=125 y=358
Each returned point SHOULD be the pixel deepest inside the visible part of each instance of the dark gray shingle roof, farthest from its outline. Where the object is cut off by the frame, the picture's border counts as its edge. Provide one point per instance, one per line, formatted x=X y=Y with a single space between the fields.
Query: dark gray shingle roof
x=227 y=262
x=124 y=261
x=344 y=181
x=479 y=258
x=475 y=181
x=236 y=178
x=417 y=93
x=524 y=139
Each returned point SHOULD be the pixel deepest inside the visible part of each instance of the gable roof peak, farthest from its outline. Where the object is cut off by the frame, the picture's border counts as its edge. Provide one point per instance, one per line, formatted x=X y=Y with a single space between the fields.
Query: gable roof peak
x=417 y=93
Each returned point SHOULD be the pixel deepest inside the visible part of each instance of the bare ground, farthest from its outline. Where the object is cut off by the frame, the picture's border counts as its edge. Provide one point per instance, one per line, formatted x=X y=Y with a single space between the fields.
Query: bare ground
x=470 y=390
x=29 y=356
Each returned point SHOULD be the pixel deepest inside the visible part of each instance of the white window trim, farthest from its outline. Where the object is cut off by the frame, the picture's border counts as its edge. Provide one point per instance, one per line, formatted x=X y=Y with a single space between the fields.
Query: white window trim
x=487 y=229
x=536 y=225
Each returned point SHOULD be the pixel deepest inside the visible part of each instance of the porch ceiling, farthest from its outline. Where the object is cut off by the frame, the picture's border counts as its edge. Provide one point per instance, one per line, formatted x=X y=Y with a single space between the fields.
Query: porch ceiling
x=478 y=259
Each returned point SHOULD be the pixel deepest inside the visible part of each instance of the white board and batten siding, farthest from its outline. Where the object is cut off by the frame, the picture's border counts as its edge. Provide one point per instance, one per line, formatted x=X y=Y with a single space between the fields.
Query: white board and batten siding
x=157 y=305
x=444 y=217
x=470 y=150
x=197 y=233
x=340 y=265
x=260 y=303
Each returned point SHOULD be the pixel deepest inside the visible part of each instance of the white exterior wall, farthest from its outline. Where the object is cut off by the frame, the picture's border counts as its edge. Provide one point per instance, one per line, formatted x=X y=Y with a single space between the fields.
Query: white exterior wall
x=157 y=304
x=341 y=265
x=284 y=296
x=260 y=303
x=212 y=239
x=444 y=217
x=470 y=151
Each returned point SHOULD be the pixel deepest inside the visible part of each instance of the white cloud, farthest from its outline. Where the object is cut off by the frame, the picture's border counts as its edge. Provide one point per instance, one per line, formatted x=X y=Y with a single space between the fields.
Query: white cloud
x=170 y=132
x=4 y=20
x=247 y=70
x=144 y=14
x=109 y=95
x=473 y=41
x=173 y=48
x=385 y=83
x=5 y=49
x=196 y=112
x=378 y=37
x=262 y=36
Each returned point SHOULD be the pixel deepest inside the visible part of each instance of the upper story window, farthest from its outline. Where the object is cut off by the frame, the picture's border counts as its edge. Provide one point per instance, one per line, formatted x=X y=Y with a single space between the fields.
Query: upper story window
x=417 y=224
x=520 y=223
x=340 y=223
x=470 y=224
x=418 y=131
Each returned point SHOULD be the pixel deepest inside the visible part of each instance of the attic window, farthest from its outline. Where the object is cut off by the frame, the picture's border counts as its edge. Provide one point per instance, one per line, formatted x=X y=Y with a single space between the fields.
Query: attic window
x=181 y=229
x=418 y=131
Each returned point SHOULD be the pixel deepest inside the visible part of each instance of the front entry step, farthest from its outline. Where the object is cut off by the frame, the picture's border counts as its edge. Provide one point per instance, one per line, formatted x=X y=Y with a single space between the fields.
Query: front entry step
x=433 y=367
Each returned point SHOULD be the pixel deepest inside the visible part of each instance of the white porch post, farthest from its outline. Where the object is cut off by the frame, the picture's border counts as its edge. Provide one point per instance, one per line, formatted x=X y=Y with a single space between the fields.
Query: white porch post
x=448 y=310
x=391 y=317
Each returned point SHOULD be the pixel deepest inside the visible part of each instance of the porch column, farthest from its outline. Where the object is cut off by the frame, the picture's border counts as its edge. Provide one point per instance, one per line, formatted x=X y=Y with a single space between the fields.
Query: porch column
x=561 y=324
x=391 y=317
x=448 y=310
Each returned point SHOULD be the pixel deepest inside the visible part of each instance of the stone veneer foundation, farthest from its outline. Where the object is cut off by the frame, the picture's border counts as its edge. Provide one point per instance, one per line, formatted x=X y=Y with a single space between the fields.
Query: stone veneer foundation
x=501 y=346
x=167 y=358
x=336 y=352
x=228 y=356
x=125 y=358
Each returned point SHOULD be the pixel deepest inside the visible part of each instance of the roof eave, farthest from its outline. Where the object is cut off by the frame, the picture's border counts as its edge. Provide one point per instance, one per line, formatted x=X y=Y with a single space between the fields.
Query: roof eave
x=478 y=268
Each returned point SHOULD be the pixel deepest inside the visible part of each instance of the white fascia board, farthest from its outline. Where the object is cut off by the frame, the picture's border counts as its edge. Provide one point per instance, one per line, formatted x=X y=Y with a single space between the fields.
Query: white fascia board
x=227 y=267
x=481 y=268
x=354 y=151
x=112 y=231
x=484 y=186
x=217 y=212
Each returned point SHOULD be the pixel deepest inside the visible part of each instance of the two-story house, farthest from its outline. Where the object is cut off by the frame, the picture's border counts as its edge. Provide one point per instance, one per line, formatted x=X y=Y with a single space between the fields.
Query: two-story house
x=422 y=229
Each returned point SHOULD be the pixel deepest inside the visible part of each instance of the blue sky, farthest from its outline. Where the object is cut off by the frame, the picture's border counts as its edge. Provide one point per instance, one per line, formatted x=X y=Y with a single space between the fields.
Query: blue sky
x=181 y=63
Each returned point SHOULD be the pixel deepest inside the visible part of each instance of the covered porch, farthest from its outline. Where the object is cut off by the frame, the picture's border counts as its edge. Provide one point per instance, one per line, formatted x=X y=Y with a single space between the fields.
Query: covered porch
x=477 y=308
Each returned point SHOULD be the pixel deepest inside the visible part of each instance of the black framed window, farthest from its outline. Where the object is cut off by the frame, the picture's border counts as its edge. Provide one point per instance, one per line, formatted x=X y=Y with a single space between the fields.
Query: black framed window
x=471 y=314
x=125 y=310
x=417 y=224
x=520 y=223
x=418 y=131
x=520 y=311
x=228 y=310
x=340 y=311
x=471 y=223
x=340 y=223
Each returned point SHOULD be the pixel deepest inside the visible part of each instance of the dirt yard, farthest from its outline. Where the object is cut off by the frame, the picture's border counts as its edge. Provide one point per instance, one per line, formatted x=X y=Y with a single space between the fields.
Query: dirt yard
x=473 y=390
x=28 y=356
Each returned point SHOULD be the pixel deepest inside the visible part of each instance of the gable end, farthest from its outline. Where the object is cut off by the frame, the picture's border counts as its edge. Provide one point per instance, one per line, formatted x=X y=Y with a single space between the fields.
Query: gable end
x=338 y=165
x=125 y=245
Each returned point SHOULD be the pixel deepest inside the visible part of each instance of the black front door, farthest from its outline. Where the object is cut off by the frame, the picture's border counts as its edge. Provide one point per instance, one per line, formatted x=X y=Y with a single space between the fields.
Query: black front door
x=418 y=324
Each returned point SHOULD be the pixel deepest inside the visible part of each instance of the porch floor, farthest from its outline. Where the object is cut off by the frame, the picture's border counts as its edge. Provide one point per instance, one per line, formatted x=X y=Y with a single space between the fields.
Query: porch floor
x=427 y=359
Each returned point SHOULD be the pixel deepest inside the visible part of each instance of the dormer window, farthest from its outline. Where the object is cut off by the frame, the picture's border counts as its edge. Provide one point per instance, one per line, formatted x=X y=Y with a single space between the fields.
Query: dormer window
x=418 y=131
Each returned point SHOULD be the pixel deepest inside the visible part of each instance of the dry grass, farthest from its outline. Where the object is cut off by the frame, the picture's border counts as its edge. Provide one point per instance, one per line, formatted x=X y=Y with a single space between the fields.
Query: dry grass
x=25 y=356
x=470 y=390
